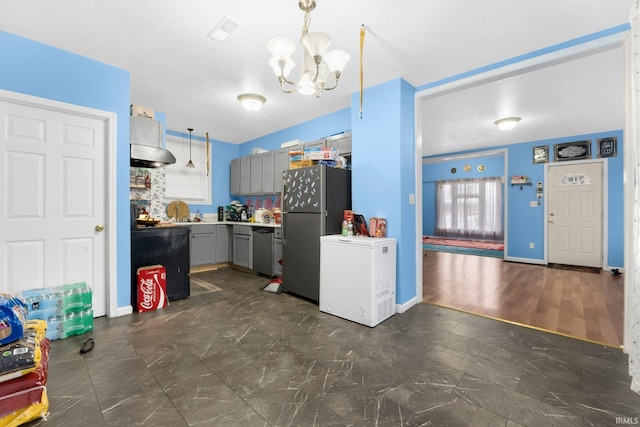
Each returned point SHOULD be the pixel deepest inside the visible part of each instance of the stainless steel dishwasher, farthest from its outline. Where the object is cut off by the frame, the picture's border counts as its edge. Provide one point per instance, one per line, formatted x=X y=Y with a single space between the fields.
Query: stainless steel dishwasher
x=263 y=250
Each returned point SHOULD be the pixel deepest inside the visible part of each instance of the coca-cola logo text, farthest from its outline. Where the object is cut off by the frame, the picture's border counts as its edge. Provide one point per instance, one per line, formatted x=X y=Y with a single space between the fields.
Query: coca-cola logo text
x=148 y=287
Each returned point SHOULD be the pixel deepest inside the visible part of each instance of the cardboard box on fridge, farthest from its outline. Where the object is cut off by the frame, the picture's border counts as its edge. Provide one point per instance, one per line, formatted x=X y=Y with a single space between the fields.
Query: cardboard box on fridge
x=321 y=153
x=152 y=288
x=295 y=164
x=138 y=111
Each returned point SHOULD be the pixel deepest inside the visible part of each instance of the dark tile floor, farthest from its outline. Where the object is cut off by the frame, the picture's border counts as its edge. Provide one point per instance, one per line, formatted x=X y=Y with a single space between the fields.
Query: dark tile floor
x=243 y=357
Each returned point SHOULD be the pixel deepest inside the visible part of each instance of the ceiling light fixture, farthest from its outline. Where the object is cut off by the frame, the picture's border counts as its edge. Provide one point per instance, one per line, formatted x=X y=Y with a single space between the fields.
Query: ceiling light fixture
x=317 y=63
x=507 y=123
x=251 y=101
x=190 y=163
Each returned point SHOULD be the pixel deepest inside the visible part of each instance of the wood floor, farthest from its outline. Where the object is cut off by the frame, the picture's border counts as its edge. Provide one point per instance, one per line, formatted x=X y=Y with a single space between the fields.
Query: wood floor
x=580 y=304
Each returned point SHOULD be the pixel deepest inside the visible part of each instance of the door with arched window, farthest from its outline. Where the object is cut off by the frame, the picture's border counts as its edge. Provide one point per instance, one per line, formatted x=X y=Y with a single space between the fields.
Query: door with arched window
x=575 y=214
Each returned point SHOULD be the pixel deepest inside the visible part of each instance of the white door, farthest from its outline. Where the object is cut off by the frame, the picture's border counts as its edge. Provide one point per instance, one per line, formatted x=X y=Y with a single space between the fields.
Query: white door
x=575 y=214
x=52 y=200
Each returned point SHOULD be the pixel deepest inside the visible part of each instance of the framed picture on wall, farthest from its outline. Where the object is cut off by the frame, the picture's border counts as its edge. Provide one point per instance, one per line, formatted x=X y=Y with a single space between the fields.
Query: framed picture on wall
x=607 y=147
x=579 y=150
x=541 y=154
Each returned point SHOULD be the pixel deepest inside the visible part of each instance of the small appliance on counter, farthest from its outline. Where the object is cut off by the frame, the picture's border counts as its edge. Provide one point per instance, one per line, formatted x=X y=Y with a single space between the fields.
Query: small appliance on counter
x=237 y=211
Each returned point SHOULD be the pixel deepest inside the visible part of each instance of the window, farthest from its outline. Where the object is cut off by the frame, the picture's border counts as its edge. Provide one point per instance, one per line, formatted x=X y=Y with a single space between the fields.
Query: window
x=470 y=208
x=189 y=185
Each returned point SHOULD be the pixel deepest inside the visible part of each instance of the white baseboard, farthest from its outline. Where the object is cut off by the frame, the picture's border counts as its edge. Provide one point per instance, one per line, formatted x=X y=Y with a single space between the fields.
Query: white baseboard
x=526 y=260
x=123 y=311
x=401 y=308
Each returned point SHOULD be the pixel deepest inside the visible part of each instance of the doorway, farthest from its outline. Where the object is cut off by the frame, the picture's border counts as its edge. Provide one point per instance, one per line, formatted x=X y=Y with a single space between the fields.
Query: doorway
x=57 y=224
x=575 y=214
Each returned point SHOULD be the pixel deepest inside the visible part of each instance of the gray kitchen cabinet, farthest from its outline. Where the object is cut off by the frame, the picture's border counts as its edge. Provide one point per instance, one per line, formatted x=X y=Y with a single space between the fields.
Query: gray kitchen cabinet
x=321 y=143
x=342 y=142
x=245 y=175
x=235 y=177
x=268 y=164
x=277 y=252
x=223 y=243
x=256 y=174
x=280 y=164
x=203 y=244
x=242 y=236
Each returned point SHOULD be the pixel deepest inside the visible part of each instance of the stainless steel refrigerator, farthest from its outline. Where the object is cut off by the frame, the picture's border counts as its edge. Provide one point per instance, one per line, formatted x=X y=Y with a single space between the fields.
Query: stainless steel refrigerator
x=313 y=203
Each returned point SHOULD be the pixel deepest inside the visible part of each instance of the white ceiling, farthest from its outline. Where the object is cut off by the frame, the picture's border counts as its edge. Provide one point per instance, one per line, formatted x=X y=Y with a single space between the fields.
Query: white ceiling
x=176 y=69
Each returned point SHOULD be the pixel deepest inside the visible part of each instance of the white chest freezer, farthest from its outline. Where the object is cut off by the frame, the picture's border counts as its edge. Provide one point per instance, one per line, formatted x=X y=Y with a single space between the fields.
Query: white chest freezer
x=358 y=278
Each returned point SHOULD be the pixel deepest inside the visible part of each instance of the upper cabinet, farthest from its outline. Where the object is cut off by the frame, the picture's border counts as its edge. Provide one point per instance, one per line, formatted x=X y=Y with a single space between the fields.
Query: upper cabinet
x=235 y=176
x=342 y=142
x=262 y=173
x=267 y=161
x=245 y=175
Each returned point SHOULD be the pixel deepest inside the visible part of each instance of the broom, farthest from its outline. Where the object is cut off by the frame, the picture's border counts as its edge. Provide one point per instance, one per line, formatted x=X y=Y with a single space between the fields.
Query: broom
x=274 y=285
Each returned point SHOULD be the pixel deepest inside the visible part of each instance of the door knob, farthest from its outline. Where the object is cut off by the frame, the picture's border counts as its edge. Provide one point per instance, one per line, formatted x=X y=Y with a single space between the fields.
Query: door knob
x=99 y=228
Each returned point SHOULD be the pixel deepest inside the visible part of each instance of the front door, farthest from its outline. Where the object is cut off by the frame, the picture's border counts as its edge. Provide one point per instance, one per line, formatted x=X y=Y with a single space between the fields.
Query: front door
x=575 y=214
x=52 y=194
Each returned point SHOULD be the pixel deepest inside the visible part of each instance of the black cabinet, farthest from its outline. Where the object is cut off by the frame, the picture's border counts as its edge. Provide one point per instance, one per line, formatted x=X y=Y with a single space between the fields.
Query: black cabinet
x=167 y=246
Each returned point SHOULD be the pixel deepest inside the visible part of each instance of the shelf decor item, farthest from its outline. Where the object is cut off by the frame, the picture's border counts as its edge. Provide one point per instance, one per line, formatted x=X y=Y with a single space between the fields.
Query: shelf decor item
x=541 y=154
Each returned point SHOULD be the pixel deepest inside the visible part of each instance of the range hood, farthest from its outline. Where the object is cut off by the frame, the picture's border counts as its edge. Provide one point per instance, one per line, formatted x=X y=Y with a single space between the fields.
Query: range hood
x=146 y=144
x=144 y=156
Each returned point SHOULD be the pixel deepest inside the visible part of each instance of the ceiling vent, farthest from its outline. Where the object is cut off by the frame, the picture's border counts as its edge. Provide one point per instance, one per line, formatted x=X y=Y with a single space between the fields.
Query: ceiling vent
x=224 y=28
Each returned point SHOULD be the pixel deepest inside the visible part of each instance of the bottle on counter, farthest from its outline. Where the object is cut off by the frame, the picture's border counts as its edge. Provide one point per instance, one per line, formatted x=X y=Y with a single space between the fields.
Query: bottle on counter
x=344 y=226
x=349 y=228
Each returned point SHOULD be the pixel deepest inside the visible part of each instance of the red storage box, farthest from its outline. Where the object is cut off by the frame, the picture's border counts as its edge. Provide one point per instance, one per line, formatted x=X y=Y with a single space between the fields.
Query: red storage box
x=152 y=288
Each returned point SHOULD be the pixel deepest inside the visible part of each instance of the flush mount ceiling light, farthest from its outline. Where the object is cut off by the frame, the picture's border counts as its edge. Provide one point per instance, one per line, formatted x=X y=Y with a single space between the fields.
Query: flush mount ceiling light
x=507 y=123
x=251 y=101
x=190 y=163
x=317 y=63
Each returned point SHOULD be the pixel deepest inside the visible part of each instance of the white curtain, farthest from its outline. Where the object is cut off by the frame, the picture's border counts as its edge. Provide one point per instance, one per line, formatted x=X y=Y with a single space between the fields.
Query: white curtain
x=470 y=208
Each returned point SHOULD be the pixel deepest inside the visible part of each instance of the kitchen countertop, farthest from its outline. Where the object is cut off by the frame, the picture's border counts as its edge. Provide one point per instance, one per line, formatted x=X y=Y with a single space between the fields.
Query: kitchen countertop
x=250 y=224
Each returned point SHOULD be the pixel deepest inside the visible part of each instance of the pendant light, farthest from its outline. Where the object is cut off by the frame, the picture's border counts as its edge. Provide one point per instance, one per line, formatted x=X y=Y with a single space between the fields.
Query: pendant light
x=190 y=164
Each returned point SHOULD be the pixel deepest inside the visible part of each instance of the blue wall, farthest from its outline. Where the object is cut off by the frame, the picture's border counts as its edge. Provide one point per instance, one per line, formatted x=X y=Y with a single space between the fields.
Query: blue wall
x=526 y=223
x=36 y=69
x=442 y=171
x=383 y=148
x=312 y=130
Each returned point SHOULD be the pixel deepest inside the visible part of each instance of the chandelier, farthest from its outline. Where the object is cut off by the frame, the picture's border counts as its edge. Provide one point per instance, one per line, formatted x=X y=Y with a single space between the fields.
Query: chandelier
x=317 y=63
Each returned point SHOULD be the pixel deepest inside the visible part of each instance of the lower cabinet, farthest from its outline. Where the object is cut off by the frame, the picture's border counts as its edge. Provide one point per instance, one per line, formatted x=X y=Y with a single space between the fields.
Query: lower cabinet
x=203 y=244
x=242 y=246
x=223 y=243
x=210 y=244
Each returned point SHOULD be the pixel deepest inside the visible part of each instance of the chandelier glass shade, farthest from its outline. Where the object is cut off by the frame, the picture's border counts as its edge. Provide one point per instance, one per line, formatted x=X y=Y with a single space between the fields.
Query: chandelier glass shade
x=318 y=65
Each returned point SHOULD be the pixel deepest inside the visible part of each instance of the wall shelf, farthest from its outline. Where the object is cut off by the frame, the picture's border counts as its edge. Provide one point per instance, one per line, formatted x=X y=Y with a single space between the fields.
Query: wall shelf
x=521 y=184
